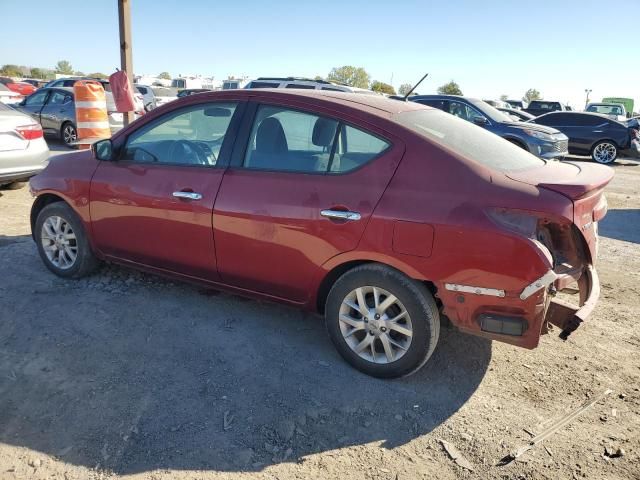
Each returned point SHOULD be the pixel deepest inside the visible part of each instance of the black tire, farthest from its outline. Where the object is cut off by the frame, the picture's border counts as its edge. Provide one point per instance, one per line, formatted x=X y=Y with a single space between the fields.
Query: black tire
x=68 y=134
x=599 y=157
x=85 y=262
x=416 y=299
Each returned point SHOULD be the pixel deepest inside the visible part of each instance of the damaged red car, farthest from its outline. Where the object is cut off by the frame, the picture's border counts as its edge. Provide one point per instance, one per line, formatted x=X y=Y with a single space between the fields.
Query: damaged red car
x=384 y=216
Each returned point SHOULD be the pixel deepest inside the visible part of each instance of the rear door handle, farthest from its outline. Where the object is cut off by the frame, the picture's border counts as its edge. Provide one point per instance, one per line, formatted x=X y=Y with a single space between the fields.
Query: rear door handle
x=340 y=215
x=598 y=131
x=188 y=195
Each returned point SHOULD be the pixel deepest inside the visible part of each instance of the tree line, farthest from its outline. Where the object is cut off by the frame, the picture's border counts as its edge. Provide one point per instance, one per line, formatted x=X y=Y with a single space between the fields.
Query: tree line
x=348 y=75
x=63 y=67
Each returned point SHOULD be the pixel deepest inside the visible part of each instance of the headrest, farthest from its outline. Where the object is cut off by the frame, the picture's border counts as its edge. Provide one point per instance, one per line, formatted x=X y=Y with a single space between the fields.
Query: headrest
x=324 y=131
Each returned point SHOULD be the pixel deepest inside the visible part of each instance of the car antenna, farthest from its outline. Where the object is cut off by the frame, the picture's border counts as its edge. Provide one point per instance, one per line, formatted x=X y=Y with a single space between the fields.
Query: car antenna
x=414 y=87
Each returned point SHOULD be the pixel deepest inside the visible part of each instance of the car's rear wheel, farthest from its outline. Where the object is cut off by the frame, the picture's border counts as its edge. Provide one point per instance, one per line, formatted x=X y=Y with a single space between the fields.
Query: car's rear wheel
x=382 y=322
x=62 y=242
x=604 y=152
x=69 y=134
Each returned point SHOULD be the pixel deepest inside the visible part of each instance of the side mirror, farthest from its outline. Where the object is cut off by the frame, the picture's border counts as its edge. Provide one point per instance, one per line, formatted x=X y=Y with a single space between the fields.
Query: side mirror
x=103 y=150
x=480 y=120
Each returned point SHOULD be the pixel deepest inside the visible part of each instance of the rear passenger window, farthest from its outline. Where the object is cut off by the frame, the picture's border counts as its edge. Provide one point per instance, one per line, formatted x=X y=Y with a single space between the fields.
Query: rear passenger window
x=355 y=148
x=290 y=140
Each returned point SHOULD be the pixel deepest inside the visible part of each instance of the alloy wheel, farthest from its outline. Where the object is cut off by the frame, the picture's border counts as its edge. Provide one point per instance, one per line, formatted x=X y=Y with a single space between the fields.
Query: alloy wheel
x=59 y=242
x=375 y=324
x=604 y=152
x=69 y=134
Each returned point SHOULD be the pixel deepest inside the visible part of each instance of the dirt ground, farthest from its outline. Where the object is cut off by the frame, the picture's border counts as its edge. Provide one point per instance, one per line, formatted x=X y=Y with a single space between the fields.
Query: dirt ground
x=125 y=375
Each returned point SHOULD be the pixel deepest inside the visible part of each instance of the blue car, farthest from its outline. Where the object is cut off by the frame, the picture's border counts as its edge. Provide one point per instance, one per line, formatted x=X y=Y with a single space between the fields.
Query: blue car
x=544 y=142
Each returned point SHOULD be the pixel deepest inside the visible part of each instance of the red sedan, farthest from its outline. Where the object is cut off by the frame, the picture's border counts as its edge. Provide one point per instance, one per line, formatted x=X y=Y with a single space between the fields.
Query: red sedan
x=380 y=214
x=23 y=88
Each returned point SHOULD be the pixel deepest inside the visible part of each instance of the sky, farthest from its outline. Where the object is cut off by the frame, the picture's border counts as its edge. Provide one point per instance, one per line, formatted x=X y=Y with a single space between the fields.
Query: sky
x=488 y=47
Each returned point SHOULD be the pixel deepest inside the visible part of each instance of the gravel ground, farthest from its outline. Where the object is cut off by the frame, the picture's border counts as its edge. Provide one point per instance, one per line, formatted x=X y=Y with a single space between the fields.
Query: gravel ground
x=125 y=375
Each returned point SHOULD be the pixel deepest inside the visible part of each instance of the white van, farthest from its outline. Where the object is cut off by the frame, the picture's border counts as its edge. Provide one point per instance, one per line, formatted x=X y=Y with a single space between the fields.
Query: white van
x=305 y=83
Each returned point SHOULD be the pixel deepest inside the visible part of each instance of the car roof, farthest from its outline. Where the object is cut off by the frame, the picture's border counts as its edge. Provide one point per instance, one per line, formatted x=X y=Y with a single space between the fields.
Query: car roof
x=374 y=104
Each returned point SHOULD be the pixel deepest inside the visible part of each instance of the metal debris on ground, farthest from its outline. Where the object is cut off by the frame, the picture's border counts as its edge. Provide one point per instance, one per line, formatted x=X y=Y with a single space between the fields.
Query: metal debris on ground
x=554 y=427
x=456 y=456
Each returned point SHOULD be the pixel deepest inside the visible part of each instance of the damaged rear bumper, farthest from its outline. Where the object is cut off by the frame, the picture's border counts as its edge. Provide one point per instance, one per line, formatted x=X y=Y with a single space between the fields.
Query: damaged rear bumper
x=568 y=317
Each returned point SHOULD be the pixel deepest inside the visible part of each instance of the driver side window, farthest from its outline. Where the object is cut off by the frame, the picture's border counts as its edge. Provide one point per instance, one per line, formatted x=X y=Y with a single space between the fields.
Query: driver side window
x=464 y=111
x=189 y=136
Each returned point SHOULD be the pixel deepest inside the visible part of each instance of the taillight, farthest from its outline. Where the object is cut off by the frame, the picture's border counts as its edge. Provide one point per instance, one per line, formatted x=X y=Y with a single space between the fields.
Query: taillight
x=528 y=225
x=30 y=132
x=515 y=220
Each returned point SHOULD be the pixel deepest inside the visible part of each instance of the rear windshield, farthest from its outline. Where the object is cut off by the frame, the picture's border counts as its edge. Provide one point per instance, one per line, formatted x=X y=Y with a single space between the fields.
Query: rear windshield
x=468 y=140
x=544 y=105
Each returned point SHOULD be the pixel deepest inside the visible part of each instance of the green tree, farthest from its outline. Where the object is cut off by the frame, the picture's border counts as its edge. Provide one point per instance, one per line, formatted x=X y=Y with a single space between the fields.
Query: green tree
x=451 y=88
x=318 y=77
x=64 y=67
x=532 y=94
x=353 y=76
x=164 y=76
x=98 y=75
x=504 y=97
x=382 y=87
x=11 y=70
x=405 y=88
x=79 y=73
x=38 y=73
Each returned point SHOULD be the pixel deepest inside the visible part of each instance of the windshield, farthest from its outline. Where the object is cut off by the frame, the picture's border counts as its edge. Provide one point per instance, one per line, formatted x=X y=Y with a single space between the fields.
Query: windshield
x=468 y=140
x=605 y=109
x=491 y=112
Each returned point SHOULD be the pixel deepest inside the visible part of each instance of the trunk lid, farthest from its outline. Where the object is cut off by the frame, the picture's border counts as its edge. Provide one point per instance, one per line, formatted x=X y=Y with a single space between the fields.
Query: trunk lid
x=583 y=183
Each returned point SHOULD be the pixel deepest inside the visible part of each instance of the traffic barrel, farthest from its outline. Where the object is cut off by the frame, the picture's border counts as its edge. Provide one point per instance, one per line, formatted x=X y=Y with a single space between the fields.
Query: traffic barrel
x=91 y=112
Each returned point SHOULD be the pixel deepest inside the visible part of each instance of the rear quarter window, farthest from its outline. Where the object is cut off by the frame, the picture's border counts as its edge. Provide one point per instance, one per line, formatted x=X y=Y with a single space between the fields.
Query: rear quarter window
x=468 y=140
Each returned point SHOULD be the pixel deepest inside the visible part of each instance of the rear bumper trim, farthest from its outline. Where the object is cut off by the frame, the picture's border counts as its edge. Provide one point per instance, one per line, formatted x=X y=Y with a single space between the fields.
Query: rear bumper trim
x=543 y=282
x=568 y=317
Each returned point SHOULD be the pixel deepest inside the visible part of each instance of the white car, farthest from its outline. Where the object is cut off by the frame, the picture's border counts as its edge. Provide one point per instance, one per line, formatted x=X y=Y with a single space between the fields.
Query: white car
x=164 y=95
x=9 y=97
x=23 y=151
x=615 y=111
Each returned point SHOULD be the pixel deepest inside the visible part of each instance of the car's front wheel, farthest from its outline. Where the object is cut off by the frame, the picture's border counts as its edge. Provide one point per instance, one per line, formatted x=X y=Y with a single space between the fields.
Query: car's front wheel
x=382 y=322
x=604 y=152
x=62 y=242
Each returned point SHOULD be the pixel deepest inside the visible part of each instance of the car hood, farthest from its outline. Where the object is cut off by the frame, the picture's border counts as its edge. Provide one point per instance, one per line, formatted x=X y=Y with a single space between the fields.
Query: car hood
x=531 y=126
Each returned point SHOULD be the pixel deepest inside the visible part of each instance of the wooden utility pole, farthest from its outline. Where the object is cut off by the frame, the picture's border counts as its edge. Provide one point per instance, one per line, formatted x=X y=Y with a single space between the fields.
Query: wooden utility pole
x=126 y=58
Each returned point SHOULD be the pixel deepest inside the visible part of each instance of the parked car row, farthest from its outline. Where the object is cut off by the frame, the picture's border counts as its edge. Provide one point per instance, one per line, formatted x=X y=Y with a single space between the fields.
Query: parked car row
x=599 y=135
x=54 y=108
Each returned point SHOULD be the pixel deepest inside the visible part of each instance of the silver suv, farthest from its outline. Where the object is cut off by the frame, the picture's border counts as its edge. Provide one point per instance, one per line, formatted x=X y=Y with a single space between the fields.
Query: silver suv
x=305 y=84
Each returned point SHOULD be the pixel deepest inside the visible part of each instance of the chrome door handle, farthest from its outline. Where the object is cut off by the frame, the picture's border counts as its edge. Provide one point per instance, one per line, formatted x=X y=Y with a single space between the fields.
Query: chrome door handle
x=188 y=195
x=340 y=214
x=598 y=131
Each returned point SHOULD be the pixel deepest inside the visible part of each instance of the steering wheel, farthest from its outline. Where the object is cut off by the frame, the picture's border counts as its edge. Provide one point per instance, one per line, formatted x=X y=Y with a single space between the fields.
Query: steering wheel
x=184 y=151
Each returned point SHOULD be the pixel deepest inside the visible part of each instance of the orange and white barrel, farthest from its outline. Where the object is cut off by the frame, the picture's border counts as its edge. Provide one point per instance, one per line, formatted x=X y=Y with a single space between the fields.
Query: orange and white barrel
x=92 y=120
